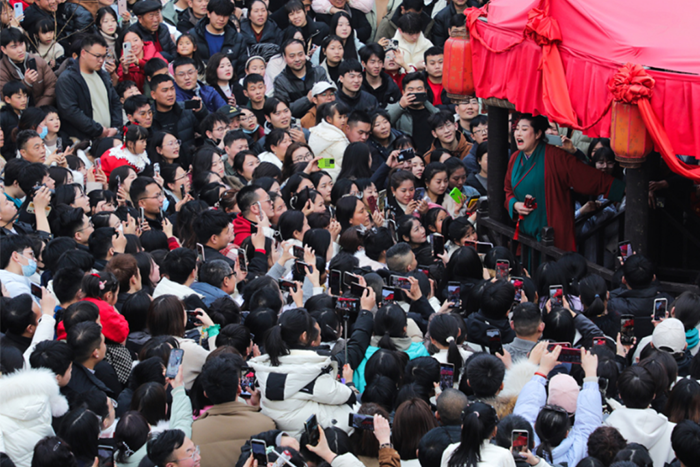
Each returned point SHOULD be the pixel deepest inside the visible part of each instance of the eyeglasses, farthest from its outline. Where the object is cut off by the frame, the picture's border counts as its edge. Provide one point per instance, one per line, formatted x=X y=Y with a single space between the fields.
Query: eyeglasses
x=303 y=158
x=481 y=131
x=98 y=57
x=193 y=456
x=177 y=142
x=89 y=226
x=245 y=118
x=158 y=196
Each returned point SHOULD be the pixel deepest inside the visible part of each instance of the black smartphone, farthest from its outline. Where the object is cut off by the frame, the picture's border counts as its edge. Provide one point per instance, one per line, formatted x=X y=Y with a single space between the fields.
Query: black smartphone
x=31 y=63
x=174 y=362
x=347 y=305
x=242 y=260
x=400 y=282
x=361 y=422
x=660 y=307
x=518 y=284
x=299 y=252
x=627 y=329
x=454 y=293
x=388 y=295
x=200 y=252
x=259 y=449
x=447 y=376
x=625 y=248
x=556 y=295
x=183 y=192
x=334 y=282
x=495 y=345
x=247 y=381
x=311 y=428
x=348 y=279
x=520 y=440
x=142 y=215
x=603 y=384
x=438 y=242
x=287 y=286
x=420 y=97
x=419 y=194
x=405 y=155
x=357 y=290
x=105 y=455
x=391 y=225
x=570 y=355
x=502 y=269
x=36 y=290
x=192 y=104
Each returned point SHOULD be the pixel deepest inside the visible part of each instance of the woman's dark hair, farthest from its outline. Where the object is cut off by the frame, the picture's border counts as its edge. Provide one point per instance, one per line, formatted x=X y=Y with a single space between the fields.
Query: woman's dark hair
x=552 y=426
x=506 y=426
x=135 y=310
x=686 y=308
x=547 y=275
x=363 y=441
x=287 y=334
x=430 y=219
x=594 y=293
x=684 y=401
x=328 y=321
x=349 y=46
x=482 y=149
x=156 y=141
x=145 y=262
x=605 y=142
x=424 y=372
x=345 y=210
x=634 y=453
x=149 y=370
x=445 y=330
x=328 y=110
x=122 y=172
x=80 y=428
x=290 y=222
x=135 y=133
x=538 y=123
x=210 y=75
x=96 y=196
x=575 y=268
x=159 y=346
x=412 y=420
x=195 y=53
x=388 y=363
x=292 y=185
x=404 y=225
x=338 y=441
x=559 y=326
x=166 y=316
x=96 y=285
x=383 y=391
x=342 y=187
x=150 y=399
x=203 y=161
x=298 y=201
x=465 y=264
x=236 y=336
x=390 y=321
x=259 y=322
x=326 y=42
x=60 y=177
x=356 y=161
x=183 y=225
x=275 y=137
x=50 y=451
x=319 y=240
x=30 y=119
x=478 y=422
x=130 y=434
x=396 y=178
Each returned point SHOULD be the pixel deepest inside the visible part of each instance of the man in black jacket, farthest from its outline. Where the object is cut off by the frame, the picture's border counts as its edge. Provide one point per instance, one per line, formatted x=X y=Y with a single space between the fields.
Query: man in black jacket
x=296 y=16
x=151 y=27
x=496 y=300
x=293 y=86
x=637 y=294
x=169 y=116
x=214 y=230
x=376 y=82
x=88 y=345
x=441 y=30
x=350 y=93
x=40 y=9
x=86 y=100
x=216 y=23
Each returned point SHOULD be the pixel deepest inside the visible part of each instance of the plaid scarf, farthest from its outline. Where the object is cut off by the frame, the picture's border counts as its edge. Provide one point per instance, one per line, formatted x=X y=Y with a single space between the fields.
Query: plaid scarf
x=119 y=357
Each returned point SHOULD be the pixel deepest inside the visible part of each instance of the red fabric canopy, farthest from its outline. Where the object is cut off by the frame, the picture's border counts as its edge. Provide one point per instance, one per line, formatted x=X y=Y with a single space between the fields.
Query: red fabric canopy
x=596 y=40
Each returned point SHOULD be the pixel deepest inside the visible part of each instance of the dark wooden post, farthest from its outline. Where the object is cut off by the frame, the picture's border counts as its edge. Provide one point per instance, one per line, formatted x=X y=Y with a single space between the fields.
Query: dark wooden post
x=498 y=161
x=637 y=210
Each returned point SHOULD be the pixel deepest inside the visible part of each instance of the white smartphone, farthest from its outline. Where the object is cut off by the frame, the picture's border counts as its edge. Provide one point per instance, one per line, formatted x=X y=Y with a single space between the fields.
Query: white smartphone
x=121 y=7
x=127 y=48
x=19 y=10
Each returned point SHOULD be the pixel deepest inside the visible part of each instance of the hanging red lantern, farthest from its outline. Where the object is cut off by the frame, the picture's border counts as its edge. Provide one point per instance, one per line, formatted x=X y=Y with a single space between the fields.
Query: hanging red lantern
x=457 y=76
x=629 y=138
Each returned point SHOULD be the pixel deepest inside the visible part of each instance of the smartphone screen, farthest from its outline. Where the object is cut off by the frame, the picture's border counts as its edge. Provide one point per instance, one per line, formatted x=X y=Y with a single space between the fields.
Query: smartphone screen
x=105 y=455
x=627 y=329
x=200 y=252
x=142 y=215
x=520 y=440
x=447 y=375
x=518 y=284
x=299 y=252
x=347 y=305
x=660 y=307
x=174 y=363
x=247 y=381
x=483 y=247
x=191 y=104
x=419 y=194
x=311 y=428
x=556 y=295
x=372 y=204
x=36 y=290
x=454 y=293
x=438 y=242
x=334 y=282
x=401 y=282
x=361 y=422
x=349 y=279
x=599 y=341
x=495 y=346
x=502 y=269
x=569 y=355
x=388 y=295
x=259 y=449
x=287 y=286
x=357 y=290
x=242 y=260
x=625 y=249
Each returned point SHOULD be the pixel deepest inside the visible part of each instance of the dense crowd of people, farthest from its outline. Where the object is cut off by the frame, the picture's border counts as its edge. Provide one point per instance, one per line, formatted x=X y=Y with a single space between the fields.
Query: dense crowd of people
x=241 y=234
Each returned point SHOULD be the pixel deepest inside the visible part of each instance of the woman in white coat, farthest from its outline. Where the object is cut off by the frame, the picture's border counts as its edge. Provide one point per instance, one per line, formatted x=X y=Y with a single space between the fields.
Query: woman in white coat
x=296 y=382
x=328 y=139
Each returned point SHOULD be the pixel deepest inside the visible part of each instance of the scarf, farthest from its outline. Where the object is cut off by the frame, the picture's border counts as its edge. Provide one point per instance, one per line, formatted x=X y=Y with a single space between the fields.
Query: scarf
x=692 y=337
x=119 y=357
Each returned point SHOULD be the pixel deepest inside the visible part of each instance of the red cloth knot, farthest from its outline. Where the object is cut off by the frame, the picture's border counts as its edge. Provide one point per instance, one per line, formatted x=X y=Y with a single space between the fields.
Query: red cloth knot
x=631 y=83
x=542 y=28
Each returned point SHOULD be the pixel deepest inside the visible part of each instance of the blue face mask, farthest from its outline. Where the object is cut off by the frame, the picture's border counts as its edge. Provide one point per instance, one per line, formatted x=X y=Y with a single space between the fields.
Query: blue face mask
x=30 y=268
x=166 y=203
x=43 y=133
x=250 y=132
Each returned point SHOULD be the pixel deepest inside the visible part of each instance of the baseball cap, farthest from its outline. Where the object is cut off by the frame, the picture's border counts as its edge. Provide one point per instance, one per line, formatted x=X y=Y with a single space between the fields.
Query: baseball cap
x=229 y=111
x=669 y=335
x=321 y=87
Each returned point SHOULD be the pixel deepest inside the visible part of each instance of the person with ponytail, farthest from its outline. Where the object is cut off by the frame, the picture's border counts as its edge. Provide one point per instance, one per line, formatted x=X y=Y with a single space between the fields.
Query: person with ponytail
x=556 y=439
x=444 y=331
x=132 y=152
x=389 y=333
x=479 y=425
x=295 y=381
x=594 y=295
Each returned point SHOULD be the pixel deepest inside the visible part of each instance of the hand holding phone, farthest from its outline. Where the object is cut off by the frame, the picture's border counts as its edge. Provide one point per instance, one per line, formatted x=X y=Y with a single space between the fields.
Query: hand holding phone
x=311 y=428
x=174 y=363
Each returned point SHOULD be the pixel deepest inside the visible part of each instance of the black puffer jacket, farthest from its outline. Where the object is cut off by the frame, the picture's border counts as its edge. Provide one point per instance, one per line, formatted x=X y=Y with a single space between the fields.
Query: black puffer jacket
x=441 y=29
x=387 y=93
x=160 y=38
x=187 y=122
x=235 y=44
x=477 y=324
x=637 y=302
x=362 y=100
x=271 y=34
x=75 y=106
x=294 y=91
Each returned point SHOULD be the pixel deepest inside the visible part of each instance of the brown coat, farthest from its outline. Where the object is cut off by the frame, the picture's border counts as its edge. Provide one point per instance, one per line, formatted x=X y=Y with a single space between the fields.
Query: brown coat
x=43 y=90
x=309 y=120
x=223 y=430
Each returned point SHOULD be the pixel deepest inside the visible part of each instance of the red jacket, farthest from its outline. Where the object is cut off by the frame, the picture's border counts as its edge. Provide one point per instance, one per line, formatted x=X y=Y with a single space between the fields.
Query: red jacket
x=135 y=72
x=241 y=229
x=114 y=325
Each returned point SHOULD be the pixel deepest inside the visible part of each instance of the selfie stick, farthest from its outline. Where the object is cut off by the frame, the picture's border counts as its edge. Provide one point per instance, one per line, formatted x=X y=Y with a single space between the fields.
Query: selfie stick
x=346 y=318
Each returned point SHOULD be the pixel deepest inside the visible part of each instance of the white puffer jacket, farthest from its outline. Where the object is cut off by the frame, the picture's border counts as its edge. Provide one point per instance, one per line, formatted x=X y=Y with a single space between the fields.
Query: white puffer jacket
x=305 y=383
x=28 y=400
x=329 y=141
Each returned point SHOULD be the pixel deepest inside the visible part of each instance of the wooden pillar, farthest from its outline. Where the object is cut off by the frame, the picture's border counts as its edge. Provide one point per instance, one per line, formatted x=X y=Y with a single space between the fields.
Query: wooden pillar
x=637 y=211
x=498 y=161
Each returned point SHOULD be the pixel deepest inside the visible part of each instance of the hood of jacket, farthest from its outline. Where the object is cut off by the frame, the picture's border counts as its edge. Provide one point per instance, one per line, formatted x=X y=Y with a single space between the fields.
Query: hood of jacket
x=241 y=228
x=328 y=132
x=295 y=371
x=28 y=393
x=644 y=426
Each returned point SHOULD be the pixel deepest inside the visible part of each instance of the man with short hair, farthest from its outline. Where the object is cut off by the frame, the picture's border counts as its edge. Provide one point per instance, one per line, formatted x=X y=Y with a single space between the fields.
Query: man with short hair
x=466 y=110
x=18 y=263
x=180 y=271
x=172 y=448
x=685 y=441
x=188 y=87
x=234 y=142
x=225 y=427
x=104 y=243
x=496 y=300
x=151 y=27
x=13 y=192
x=376 y=82
x=388 y=25
x=478 y=126
x=171 y=117
x=359 y=126
x=188 y=19
x=294 y=84
x=401 y=259
x=350 y=93
x=278 y=115
x=213 y=128
x=215 y=231
x=71 y=222
x=138 y=110
x=67 y=286
x=87 y=102
x=440 y=32
x=254 y=89
x=147 y=194
x=30 y=146
x=433 y=58
x=88 y=345
x=410 y=116
x=217 y=279
x=295 y=14
x=484 y=374
x=215 y=34
x=254 y=203
x=321 y=93
x=14 y=66
x=528 y=326
x=56 y=356
x=21 y=318
x=444 y=129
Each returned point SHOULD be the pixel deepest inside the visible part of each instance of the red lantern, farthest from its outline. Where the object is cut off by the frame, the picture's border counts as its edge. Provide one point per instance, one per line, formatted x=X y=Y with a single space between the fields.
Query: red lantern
x=629 y=138
x=457 y=76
